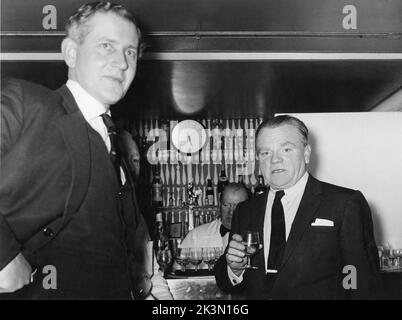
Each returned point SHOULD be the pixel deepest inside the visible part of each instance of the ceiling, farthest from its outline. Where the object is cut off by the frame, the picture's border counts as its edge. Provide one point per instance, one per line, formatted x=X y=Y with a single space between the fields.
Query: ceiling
x=212 y=88
x=237 y=89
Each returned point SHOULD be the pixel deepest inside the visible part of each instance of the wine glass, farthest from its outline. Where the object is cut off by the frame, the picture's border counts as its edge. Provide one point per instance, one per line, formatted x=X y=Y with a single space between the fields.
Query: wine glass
x=164 y=258
x=209 y=257
x=219 y=251
x=251 y=240
x=181 y=257
x=195 y=257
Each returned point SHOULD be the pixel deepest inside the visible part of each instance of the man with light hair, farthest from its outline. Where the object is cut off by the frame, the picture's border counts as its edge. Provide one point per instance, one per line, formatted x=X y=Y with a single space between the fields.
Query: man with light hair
x=63 y=201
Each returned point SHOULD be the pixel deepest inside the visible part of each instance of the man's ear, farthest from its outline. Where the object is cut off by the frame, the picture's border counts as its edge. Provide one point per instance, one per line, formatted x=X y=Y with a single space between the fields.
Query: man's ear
x=307 y=153
x=69 y=51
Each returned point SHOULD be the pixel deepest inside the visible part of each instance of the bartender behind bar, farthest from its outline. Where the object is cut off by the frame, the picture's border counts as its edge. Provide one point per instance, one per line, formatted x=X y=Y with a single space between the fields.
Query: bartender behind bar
x=216 y=233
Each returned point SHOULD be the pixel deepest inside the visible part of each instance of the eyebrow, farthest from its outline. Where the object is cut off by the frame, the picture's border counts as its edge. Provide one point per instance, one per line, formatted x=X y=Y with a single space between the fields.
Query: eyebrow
x=130 y=46
x=288 y=143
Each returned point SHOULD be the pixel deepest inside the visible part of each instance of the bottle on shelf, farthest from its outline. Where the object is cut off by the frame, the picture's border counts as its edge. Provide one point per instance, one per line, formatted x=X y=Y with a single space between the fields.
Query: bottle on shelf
x=210 y=193
x=197 y=221
x=171 y=199
x=260 y=188
x=222 y=181
x=157 y=196
x=174 y=225
x=160 y=237
x=185 y=223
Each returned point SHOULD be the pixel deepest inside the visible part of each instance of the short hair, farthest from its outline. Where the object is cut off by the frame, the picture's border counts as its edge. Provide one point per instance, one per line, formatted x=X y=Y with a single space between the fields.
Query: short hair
x=235 y=187
x=76 y=26
x=283 y=120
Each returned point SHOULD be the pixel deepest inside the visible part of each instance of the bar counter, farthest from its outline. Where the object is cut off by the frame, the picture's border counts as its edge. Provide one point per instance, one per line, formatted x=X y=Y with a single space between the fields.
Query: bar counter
x=199 y=285
x=196 y=288
x=203 y=287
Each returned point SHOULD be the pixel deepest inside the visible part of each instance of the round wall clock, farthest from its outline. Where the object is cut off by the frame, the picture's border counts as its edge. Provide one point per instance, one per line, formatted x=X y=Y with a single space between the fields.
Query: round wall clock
x=189 y=136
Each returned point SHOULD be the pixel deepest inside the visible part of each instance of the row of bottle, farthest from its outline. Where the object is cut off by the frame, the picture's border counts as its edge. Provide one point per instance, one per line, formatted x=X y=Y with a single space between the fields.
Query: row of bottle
x=210 y=195
x=148 y=131
x=175 y=223
x=171 y=227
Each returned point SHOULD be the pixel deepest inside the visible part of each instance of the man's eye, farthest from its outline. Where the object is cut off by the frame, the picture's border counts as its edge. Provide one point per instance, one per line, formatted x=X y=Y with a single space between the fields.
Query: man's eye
x=106 y=46
x=286 y=150
x=131 y=53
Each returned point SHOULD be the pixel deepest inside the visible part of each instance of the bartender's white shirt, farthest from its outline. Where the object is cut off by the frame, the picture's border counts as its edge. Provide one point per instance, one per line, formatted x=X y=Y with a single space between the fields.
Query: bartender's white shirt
x=206 y=236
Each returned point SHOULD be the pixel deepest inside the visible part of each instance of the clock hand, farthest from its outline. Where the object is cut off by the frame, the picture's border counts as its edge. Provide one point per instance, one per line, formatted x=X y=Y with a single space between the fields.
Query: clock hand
x=189 y=140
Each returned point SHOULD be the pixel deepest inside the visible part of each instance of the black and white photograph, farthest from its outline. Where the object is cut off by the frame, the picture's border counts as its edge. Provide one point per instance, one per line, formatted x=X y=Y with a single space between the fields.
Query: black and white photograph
x=213 y=151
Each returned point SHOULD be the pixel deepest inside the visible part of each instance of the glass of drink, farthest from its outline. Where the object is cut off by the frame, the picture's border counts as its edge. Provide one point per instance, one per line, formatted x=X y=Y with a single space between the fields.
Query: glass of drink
x=181 y=257
x=209 y=257
x=219 y=251
x=164 y=258
x=251 y=239
x=195 y=257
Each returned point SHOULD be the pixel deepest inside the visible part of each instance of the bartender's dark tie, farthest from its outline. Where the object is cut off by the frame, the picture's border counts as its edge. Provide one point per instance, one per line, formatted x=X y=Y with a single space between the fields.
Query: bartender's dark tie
x=111 y=129
x=278 y=232
x=223 y=230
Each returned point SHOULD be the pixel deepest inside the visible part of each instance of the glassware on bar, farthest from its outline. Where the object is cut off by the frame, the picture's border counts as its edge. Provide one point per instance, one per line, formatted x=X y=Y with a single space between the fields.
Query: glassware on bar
x=209 y=255
x=182 y=257
x=195 y=257
x=164 y=258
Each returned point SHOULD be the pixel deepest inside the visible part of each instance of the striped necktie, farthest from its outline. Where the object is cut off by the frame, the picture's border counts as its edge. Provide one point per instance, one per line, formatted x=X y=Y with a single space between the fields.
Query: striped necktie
x=112 y=132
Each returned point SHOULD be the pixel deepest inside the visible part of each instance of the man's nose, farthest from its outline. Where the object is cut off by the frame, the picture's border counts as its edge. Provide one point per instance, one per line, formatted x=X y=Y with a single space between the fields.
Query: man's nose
x=120 y=60
x=276 y=157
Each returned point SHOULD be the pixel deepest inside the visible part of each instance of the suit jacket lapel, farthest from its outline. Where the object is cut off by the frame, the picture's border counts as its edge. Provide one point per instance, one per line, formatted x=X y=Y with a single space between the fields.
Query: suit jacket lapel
x=307 y=208
x=260 y=207
x=74 y=130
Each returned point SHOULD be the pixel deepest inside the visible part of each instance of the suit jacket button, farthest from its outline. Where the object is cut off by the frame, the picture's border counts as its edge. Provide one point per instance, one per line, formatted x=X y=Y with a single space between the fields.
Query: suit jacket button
x=120 y=193
x=48 y=232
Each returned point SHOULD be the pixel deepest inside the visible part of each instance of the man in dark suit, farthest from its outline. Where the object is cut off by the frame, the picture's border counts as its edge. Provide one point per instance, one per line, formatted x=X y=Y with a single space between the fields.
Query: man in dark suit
x=62 y=205
x=317 y=238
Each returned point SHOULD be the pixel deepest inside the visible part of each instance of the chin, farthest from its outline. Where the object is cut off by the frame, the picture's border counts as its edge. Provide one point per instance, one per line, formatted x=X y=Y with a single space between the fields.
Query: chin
x=281 y=184
x=113 y=99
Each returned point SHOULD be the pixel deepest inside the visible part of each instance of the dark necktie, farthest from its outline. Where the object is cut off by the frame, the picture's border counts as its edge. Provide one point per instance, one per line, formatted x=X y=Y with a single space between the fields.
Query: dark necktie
x=223 y=230
x=112 y=132
x=278 y=232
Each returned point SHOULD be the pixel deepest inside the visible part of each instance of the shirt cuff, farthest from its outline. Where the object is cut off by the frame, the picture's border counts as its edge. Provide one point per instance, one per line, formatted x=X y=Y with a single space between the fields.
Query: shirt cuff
x=235 y=280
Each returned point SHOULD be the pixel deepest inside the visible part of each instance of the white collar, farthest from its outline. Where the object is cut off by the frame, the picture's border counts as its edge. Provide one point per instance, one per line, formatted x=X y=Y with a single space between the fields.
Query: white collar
x=89 y=106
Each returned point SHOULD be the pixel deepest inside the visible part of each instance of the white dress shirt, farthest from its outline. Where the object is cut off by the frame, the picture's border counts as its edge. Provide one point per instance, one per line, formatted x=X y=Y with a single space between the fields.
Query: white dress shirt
x=92 y=110
x=206 y=236
x=290 y=202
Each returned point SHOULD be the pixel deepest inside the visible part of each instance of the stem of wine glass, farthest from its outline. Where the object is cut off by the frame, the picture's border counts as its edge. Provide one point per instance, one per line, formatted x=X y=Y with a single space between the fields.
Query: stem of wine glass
x=248 y=262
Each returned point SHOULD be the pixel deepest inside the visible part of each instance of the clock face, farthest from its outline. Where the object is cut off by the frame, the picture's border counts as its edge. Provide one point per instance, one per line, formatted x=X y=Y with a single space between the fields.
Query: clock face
x=189 y=136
